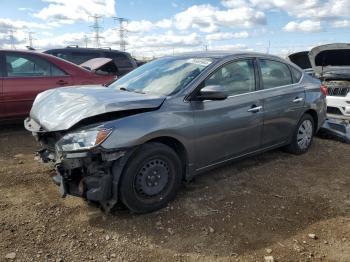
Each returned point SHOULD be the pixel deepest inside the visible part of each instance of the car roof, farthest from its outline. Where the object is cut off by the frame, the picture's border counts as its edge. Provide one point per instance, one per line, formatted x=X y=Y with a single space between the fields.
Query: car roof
x=223 y=54
x=86 y=49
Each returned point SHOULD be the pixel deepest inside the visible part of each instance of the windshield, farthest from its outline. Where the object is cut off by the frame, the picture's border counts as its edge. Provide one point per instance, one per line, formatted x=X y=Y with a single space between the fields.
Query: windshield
x=163 y=76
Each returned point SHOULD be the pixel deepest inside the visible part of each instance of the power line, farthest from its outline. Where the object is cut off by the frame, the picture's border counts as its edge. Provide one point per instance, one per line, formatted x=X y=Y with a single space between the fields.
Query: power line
x=122 y=32
x=96 y=28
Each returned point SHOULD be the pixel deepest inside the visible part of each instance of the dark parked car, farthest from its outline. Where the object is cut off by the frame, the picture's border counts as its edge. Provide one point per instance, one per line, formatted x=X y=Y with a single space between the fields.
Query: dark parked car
x=24 y=74
x=171 y=119
x=77 y=55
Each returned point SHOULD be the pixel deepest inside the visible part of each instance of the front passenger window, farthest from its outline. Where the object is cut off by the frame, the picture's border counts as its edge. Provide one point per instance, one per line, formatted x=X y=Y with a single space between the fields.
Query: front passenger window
x=274 y=74
x=26 y=66
x=237 y=77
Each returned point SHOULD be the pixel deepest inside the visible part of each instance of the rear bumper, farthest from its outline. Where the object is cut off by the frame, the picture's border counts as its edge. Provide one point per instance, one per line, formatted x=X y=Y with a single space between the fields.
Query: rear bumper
x=336 y=128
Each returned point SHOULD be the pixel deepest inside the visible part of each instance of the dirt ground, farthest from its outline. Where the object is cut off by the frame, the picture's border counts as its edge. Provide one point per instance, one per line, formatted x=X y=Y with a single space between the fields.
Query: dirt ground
x=262 y=206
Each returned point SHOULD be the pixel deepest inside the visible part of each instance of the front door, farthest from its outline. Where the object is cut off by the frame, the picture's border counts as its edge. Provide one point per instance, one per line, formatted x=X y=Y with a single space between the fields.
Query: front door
x=232 y=127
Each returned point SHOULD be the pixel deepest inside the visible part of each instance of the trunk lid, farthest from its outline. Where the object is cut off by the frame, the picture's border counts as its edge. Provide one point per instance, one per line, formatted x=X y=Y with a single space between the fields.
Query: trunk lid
x=301 y=59
x=331 y=61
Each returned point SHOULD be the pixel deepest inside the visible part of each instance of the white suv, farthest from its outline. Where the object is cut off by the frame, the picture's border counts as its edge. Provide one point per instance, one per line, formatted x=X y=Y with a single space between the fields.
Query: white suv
x=331 y=63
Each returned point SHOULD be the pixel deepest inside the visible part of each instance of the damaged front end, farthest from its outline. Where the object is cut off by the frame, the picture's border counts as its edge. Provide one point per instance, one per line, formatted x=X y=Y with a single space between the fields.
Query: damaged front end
x=84 y=168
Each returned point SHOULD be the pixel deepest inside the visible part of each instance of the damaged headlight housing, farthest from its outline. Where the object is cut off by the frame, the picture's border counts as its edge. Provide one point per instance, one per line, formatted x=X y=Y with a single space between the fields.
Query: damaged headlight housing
x=82 y=140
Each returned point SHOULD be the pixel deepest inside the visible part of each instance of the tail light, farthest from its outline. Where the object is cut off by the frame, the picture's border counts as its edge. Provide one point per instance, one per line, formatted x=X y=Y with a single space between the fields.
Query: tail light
x=324 y=90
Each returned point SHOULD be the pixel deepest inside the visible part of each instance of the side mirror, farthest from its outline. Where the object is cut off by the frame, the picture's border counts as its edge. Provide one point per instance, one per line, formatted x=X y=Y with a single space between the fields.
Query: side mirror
x=212 y=92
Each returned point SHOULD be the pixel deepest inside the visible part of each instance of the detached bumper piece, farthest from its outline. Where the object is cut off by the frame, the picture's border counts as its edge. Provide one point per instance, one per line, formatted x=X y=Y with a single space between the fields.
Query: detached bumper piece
x=335 y=128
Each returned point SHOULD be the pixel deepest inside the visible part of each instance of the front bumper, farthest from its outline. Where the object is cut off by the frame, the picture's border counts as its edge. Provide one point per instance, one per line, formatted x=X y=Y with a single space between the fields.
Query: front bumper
x=92 y=175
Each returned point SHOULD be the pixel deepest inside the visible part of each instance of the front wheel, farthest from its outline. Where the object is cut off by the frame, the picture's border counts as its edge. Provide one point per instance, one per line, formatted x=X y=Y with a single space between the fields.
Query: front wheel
x=151 y=178
x=303 y=135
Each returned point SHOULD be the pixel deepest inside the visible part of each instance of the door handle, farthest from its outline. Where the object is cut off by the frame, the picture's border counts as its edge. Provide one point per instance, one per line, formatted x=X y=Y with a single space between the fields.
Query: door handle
x=61 y=82
x=298 y=99
x=255 y=109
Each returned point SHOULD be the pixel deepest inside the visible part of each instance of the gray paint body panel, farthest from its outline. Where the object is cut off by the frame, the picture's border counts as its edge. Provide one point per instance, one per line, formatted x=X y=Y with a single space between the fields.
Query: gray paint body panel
x=211 y=132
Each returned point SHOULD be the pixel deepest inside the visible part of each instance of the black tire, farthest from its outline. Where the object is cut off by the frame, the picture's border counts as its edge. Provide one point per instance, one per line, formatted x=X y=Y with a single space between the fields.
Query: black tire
x=151 y=178
x=294 y=147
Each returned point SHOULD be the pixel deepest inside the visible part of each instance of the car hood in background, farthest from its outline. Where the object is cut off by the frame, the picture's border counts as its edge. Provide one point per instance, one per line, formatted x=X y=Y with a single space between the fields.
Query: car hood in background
x=62 y=108
x=95 y=64
x=330 y=57
x=301 y=59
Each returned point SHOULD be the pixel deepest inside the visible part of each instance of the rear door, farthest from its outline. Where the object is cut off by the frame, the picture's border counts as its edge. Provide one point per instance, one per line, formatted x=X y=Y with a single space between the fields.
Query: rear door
x=230 y=127
x=283 y=101
x=26 y=75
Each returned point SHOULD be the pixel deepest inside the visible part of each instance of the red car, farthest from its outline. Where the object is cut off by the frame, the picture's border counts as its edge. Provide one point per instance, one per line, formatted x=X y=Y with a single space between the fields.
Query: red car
x=24 y=74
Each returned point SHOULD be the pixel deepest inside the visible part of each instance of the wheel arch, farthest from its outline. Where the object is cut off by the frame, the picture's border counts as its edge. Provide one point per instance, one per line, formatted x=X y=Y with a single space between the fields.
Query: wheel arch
x=179 y=149
x=314 y=116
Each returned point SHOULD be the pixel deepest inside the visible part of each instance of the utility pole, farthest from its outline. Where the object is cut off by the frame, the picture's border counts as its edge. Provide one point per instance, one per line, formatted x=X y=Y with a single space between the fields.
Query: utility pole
x=86 y=40
x=96 y=28
x=205 y=47
x=12 y=38
x=268 y=47
x=30 y=40
x=122 y=32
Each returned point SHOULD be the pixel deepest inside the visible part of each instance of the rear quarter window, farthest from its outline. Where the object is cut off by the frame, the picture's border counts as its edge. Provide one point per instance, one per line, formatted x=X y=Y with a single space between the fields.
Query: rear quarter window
x=296 y=74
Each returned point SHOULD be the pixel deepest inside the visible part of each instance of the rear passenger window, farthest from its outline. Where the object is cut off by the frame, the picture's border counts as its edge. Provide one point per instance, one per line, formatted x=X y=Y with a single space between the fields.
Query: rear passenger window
x=275 y=74
x=237 y=77
x=296 y=74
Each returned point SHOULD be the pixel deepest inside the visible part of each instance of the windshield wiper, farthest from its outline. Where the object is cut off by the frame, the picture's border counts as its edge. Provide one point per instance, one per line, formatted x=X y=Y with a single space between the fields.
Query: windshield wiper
x=131 y=90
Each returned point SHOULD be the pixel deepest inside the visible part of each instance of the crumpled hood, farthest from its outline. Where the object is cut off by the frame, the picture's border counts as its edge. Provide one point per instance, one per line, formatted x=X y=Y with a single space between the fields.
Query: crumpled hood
x=61 y=108
x=330 y=57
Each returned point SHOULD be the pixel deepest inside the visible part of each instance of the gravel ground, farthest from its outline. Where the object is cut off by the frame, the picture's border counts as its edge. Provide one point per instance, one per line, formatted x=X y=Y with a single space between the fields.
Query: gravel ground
x=272 y=207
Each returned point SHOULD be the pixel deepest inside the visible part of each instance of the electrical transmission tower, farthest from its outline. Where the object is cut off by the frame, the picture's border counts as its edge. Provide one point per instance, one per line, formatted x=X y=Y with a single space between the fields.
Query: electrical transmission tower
x=96 y=28
x=86 y=40
x=12 y=38
x=122 y=32
x=30 y=40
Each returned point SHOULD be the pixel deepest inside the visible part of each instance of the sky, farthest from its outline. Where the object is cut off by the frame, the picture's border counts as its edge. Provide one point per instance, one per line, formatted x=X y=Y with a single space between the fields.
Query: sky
x=161 y=27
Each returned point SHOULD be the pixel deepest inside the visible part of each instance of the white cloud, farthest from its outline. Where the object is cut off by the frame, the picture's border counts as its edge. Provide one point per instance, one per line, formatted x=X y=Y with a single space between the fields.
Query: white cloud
x=168 y=39
x=307 y=9
x=139 y=26
x=341 y=23
x=68 y=11
x=165 y=23
x=143 y=26
x=209 y=19
x=226 y=36
x=7 y=24
x=304 y=26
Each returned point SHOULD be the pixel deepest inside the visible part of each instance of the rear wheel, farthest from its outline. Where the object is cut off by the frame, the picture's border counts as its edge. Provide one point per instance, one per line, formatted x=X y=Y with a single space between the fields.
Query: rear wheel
x=303 y=136
x=151 y=178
